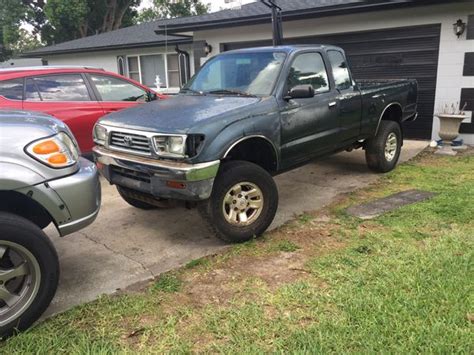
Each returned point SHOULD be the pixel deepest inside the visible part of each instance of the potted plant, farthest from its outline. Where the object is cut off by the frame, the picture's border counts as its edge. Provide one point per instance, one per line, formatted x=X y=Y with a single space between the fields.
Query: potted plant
x=450 y=118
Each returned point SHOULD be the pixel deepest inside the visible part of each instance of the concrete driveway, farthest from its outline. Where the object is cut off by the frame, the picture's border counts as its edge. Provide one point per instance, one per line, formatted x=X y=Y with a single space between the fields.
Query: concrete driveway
x=126 y=245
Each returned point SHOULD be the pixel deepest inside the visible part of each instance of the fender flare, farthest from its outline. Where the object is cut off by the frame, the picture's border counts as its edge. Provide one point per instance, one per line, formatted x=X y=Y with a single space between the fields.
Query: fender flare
x=395 y=103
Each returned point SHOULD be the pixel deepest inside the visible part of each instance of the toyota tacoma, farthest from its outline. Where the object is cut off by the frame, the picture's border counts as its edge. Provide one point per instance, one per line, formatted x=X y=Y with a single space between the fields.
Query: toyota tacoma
x=246 y=116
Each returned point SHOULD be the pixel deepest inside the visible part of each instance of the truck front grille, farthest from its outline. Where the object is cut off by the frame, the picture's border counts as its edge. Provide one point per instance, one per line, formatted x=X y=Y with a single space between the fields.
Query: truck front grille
x=131 y=174
x=129 y=141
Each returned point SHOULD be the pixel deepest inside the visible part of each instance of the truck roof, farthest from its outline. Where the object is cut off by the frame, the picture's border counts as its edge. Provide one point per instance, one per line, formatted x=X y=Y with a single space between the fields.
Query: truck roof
x=285 y=48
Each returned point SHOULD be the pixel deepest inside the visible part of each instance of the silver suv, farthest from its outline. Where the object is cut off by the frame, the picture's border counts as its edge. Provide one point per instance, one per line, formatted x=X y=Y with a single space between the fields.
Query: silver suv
x=42 y=181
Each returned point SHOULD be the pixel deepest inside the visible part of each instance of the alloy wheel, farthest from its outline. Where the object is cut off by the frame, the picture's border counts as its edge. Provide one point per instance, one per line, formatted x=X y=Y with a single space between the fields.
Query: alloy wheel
x=243 y=204
x=20 y=279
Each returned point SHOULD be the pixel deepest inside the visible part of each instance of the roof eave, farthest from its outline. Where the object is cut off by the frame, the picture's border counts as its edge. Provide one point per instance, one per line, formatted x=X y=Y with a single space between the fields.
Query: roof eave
x=39 y=53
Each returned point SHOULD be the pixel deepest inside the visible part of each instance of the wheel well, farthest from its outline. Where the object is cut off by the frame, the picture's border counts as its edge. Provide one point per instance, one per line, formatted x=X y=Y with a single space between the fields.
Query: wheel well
x=22 y=205
x=255 y=150
x=393 y=113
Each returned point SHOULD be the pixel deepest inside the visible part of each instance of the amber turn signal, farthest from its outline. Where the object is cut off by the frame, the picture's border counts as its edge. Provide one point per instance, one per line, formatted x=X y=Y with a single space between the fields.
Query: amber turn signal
x=46 y=147
x=58 y=159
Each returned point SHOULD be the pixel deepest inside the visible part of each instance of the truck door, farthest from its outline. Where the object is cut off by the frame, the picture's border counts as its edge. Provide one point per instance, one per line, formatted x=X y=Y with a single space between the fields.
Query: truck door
x=349 y=101
x=308 y=126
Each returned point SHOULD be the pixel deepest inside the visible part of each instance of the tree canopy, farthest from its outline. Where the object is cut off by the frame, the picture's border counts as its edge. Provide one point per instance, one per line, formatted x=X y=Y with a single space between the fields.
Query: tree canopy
x=170 y=9
x=26 y=24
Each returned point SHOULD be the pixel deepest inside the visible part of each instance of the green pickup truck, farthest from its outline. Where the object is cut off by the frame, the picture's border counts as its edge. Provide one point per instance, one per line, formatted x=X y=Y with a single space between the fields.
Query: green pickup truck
x=246 y=116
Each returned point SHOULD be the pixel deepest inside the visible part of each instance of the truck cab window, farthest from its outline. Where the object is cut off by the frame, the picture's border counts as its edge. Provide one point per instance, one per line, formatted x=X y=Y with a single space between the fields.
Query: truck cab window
x=340 y=70
x=308 y=69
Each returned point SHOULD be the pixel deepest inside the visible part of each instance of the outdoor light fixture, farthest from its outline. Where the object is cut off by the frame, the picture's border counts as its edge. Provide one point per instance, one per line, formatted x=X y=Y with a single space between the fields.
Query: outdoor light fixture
x=207 y=48
x=459 y=27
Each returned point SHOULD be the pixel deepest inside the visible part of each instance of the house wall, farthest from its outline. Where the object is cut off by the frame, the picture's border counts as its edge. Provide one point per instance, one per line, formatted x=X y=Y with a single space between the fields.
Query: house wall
x=451 y=56
x=107 y=60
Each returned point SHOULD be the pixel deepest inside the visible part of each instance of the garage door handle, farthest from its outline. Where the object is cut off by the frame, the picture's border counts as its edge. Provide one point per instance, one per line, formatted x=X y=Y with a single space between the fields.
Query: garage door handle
x=332 y=104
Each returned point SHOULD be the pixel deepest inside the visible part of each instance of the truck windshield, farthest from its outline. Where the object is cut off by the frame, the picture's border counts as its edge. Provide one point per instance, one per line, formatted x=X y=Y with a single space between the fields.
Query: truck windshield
x=246 y=74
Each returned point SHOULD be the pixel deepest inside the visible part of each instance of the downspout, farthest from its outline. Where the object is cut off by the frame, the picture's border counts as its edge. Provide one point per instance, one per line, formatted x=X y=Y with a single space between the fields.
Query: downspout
x=183 y=66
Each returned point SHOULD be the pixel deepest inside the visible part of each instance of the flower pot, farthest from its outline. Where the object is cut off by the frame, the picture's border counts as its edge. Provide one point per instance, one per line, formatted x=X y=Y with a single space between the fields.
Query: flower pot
x=448 y=131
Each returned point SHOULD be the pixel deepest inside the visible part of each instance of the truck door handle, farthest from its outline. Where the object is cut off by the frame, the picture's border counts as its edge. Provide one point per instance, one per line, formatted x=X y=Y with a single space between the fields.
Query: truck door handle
x=332 y=104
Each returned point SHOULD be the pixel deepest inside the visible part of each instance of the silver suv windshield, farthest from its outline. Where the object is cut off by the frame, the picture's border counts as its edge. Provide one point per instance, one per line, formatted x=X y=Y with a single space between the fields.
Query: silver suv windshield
x=245 y=74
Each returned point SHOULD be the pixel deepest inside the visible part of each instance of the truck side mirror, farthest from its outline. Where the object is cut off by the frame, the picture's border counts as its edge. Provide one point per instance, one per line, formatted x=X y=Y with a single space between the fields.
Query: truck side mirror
x=300 y=92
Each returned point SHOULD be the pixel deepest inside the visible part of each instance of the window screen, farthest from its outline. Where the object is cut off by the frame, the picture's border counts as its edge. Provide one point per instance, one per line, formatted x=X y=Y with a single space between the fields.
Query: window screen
x=153 y=66
x=173 y=70
x=309 y=69
x=12 y=89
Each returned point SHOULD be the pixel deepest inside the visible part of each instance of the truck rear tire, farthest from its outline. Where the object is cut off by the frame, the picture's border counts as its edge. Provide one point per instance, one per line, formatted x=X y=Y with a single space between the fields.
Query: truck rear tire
x=29 y=273
x=243 y=202
x=383 y=151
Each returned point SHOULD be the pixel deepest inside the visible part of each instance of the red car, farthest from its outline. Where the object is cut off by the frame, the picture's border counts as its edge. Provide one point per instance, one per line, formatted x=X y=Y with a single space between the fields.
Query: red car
x=79 y=96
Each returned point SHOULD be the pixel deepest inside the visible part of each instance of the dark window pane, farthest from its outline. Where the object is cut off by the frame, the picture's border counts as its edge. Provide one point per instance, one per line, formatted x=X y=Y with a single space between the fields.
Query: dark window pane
x=12 y=89
x=308 y=69
x=114 y=89
x=339 y=70
x=31 y=91
x=68 y=87
x=133 y=64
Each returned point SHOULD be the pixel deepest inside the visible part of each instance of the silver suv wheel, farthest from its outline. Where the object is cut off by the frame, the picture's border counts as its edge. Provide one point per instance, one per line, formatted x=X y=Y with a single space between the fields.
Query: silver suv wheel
x=20 y=279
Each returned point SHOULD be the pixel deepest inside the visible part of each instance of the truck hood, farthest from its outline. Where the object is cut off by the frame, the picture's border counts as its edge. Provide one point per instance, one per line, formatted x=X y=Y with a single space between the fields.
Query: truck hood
x=181 y=113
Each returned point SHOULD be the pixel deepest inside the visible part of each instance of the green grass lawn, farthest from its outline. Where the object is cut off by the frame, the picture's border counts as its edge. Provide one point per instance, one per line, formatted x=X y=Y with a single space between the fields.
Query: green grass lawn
x=326 y=282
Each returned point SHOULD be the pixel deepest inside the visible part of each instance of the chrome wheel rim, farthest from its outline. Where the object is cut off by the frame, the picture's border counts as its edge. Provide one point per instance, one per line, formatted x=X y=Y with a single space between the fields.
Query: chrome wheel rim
x=243 y=204
x=391 y=147
x=20 y=278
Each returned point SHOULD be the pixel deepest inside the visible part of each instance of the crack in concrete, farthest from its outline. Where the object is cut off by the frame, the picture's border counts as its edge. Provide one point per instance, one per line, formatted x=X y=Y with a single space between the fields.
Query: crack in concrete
x=117 y=252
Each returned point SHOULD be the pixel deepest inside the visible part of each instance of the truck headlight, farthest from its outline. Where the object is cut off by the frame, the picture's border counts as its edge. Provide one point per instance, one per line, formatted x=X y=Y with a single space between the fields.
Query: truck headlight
x=100 y=134
x=170 y=146
x=58 y=151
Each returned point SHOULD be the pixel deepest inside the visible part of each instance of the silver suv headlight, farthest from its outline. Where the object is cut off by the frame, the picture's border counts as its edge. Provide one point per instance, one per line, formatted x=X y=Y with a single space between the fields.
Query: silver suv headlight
x=100 y=134
x=170 y=146
x=58 y=151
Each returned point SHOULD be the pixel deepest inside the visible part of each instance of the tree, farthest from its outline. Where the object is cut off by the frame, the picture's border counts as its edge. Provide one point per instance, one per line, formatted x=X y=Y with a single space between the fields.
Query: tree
x=13 y=14
x=170 y=9
x=26 y=42
x=71 y=19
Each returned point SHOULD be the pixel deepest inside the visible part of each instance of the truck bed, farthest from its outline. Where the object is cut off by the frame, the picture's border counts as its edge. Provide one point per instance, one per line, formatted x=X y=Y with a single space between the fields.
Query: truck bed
x=369 y=84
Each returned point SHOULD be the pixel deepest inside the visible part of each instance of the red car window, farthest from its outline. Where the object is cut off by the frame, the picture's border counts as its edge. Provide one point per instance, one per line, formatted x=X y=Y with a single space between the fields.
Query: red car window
x=12 y=89
x=65 y=87
x=114 y=89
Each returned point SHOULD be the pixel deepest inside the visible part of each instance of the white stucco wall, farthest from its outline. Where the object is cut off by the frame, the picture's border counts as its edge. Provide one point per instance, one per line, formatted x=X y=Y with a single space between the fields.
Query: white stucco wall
x=107 y=60
x=451 y=56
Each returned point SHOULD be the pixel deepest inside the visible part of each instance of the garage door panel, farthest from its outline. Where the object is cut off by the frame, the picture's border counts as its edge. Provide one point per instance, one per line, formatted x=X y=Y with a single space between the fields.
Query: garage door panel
x=396 y=53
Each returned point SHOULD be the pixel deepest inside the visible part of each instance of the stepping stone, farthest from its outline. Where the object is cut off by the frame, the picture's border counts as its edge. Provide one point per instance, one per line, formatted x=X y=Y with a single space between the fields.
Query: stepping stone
x=386 y=204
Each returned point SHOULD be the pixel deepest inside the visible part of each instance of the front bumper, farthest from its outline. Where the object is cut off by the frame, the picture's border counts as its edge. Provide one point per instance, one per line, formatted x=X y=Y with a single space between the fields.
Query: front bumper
x=73 y=201
x=81 y=194
x=159 y=178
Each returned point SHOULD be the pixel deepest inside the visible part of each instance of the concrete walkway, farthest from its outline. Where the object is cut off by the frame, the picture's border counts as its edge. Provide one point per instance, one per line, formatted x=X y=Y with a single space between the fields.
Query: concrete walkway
x=126 y=245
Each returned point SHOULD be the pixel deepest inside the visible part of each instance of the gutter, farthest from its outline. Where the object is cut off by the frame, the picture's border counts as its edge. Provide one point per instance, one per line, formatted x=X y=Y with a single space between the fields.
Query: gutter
x=39 y=53
x=298 y=15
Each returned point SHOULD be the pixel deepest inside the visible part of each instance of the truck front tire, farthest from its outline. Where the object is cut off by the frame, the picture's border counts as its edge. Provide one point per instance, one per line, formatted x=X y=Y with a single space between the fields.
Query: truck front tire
x=243 y=202
x=383 y=151
x=29 y=273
